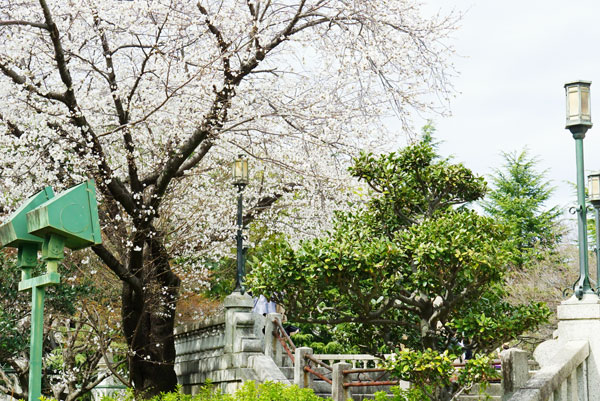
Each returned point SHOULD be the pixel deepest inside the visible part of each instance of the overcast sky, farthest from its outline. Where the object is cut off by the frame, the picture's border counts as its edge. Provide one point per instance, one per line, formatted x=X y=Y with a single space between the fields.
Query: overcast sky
x=514 y=57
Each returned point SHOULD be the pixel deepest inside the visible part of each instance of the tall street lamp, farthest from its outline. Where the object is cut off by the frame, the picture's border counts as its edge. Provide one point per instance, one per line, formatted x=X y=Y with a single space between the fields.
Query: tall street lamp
x=579 y=120
x=240 y=180
x=594 y=197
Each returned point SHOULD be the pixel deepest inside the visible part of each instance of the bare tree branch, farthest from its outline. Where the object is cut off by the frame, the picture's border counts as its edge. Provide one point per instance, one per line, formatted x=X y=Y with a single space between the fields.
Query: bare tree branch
x=21 y=80
x=113 y=264
x=24 y=23
x=110 y=181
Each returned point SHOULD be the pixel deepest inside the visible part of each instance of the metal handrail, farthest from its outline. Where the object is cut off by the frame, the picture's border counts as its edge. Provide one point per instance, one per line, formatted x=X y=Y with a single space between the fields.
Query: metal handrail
x=285 y=346
x=284 y=340
x=318 y=362
x=285 y=334
x=372 y=383
x=319 y=375
x=366 y=370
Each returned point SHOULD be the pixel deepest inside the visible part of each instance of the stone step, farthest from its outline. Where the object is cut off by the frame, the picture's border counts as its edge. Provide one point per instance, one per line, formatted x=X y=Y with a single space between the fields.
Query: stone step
x=322 y=387
x=319 y=386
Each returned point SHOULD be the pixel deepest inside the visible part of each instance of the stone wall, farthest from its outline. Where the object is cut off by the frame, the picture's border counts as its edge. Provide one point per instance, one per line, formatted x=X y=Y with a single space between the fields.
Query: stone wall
x=225 y=350
x=200 y=348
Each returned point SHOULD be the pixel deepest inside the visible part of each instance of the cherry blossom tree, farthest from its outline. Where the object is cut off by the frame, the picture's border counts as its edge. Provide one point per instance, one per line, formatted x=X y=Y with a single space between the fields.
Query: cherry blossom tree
x=154 y=99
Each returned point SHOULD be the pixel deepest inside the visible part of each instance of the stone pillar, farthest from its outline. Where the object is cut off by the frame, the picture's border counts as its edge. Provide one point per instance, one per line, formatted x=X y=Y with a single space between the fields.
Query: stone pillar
x=302 y=378
x=239 y=324
x=580 y=320
x=338 y=391
x=515 y=370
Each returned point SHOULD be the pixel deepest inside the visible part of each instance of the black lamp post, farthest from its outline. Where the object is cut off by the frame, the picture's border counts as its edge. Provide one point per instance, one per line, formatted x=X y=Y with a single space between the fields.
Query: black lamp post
x=240 y=180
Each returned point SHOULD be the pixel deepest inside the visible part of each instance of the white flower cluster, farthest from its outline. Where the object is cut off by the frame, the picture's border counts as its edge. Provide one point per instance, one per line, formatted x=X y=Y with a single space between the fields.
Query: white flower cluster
x=149 y=76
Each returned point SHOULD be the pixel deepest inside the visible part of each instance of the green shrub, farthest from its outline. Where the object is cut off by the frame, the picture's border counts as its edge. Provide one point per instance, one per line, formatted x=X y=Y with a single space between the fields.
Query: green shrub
x=249 y=391
x=274 y=392
x=399 y=394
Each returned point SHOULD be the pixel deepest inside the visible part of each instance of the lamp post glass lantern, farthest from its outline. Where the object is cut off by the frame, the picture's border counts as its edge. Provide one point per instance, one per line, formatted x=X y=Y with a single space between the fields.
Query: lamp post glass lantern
x=578 y=121
x=240 y=171
x=240 y=179
x=579 y=109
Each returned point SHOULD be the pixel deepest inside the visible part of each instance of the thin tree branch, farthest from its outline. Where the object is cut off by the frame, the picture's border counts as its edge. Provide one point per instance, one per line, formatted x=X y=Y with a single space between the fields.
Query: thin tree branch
x=222 y=43
x=24 y=23
x=110 y=181
x=21 y=80
x=122 y=114
x=113 y=264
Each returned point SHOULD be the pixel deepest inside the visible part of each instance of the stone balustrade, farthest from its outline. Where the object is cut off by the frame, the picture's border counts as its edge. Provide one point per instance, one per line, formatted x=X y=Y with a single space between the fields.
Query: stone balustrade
x=225 y=350
x=569 y=363
x=355 y=360
x=239 y=345
x=562 y=378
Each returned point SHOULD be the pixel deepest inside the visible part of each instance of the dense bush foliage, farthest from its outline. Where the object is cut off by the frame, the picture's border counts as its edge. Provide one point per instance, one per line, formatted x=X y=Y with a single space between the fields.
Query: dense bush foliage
x=250 y=391
x=412 y=267
x=429 y=371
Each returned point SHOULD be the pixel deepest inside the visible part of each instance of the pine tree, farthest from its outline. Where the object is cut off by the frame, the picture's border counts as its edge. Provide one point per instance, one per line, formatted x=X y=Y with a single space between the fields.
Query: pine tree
x=518 y=201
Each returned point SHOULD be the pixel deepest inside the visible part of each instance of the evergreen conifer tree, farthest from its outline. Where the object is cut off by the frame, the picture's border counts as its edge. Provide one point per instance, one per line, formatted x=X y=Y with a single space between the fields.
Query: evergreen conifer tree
x=518 y=200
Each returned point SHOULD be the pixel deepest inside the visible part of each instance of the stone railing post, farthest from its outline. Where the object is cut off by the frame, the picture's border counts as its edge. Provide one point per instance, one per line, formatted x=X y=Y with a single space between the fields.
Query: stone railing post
x=515 y=370
x=302 y=378
x=272 y=346
x=338 y=391
x=239 y=325
x=580 y=320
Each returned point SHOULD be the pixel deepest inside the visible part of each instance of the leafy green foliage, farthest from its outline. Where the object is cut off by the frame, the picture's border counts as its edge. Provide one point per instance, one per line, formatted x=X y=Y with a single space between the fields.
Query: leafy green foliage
x=518 y=201
x=323 y=340
x=493 y=320
x=411 y=267
x=477 y=370
x=400 y=394
x=274 y=392
x=413 y=184
x=15 y=305
x=249 y=391
x=432 y=372
x=424 y=369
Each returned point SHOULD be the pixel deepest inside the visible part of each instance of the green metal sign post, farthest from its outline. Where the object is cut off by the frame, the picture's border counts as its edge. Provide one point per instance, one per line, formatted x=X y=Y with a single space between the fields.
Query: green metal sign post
x=48 y=223
x=38 y=289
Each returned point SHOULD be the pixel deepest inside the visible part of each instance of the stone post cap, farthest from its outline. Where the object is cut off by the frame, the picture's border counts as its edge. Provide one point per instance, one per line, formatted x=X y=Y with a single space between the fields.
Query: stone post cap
x=235 y=299
x=587 y=299
x=574 y=309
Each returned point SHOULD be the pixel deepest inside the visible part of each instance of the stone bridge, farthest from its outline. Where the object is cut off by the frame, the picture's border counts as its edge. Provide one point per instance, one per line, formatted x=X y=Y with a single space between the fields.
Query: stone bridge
x=239 y=345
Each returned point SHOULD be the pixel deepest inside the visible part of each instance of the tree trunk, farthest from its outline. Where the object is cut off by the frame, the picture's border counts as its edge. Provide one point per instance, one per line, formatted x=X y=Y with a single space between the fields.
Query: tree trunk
x=148 y=323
